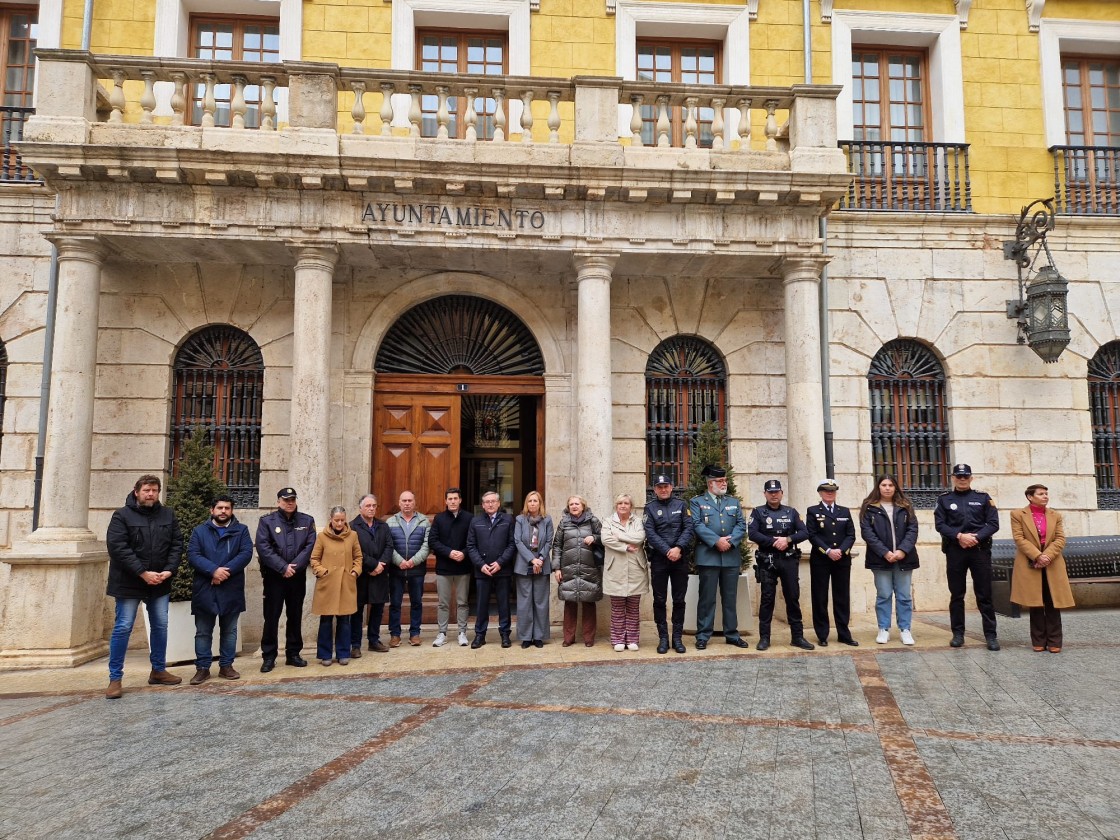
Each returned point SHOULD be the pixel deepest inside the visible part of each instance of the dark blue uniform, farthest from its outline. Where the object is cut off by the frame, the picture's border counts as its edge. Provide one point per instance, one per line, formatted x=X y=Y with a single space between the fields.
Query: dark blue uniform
x=668 y=525
x=767 y=524
x=968 y=512
x=830 y=529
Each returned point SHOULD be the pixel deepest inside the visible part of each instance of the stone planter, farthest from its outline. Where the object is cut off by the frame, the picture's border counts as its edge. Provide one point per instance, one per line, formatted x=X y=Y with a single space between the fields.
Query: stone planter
x=742 y=605
x=180 y=633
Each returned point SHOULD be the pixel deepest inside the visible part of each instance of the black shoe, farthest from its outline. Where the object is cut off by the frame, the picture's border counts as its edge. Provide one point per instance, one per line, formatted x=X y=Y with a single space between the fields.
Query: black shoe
x=478 y=642
x=763 y=643
x=958 y=640
x=296 y=661
x=678 y=645
x=538 y=643
x=268 y=665
x=993 y=643
x=803 y=643
x=663 y=644
x=739 y=643
x=701 y=644
x=822 y=642
x=850 y=642
x=526 y=645
x=505 y=641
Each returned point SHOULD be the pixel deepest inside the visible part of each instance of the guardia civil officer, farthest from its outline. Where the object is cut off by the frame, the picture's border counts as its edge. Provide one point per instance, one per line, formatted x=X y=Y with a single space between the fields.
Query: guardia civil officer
x=720 y=528
x=777 y=529
x=669 y=532
x=966 y=520
x=832 y=533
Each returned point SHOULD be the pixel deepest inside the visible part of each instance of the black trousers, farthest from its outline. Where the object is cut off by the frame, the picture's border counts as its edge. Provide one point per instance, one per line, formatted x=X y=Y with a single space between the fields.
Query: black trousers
x=662 y=572
x=822 y=573
x=357 y=624
x=280 y=594
x=1046 y=621
x=959 y=563
x=785 y=570
x=500 y=586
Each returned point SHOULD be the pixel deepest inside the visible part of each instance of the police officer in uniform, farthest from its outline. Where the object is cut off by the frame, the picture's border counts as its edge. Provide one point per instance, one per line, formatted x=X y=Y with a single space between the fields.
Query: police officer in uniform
x=832 y=533
x=720 y=528
x=966 y=520
x=669 y=532
x=778 y=529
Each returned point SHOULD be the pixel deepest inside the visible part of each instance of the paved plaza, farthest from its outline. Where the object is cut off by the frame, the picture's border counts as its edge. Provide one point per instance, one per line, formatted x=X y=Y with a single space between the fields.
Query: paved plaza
x=871 y=742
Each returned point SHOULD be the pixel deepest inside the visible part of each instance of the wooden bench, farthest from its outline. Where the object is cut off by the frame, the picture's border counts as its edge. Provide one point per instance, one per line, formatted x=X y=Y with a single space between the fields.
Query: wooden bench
x=1088 y=560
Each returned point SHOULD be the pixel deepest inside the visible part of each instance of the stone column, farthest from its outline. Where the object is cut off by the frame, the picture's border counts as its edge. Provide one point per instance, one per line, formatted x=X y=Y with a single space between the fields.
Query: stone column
x=53 y=602
x=805 y=461
x=593 y=433
x=309 y=441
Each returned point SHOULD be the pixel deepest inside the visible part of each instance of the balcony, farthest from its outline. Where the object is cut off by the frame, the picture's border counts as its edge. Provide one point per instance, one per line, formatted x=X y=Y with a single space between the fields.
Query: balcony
x=12 y=167
x=1087 y=180
x=907 y=177
x=298 y=125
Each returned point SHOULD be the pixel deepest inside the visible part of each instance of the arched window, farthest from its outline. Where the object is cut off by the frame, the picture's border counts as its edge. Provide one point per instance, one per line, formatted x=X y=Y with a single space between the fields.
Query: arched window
x=3 y=388
x=1104 y=403
x=219 y=379
x=686 y=386
x=909 y=421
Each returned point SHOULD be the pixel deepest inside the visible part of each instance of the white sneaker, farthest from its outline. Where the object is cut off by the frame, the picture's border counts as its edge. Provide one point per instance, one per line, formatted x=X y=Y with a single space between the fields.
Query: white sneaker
x=885 y=636
x=463 y=640
x=907 y=639
x=441 y=639
x=619 y=648
x=632 y=646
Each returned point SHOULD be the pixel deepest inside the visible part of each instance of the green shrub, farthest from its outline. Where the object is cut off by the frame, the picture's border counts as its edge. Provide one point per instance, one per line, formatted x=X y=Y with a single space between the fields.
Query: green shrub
x=190 y=495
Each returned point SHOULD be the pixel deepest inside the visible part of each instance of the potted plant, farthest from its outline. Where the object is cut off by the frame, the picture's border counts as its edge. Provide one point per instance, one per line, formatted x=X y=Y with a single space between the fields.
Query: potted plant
x=710 y=447
x=190 y=495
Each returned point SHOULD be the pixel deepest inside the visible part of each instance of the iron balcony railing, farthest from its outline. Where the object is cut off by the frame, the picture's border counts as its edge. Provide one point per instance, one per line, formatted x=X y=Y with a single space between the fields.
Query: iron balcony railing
x=12 y=168
x=914 y=177
x=1087 y=180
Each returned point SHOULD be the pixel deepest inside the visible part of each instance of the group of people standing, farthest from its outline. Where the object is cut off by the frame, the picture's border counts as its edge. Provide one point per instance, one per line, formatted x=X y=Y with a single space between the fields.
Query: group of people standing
x=366 y=563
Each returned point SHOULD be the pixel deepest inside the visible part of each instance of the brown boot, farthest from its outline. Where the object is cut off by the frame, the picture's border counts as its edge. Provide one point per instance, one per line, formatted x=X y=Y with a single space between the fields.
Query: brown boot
x=201 y=675
x=163 y=678
x=113 y=692
x=226 y=672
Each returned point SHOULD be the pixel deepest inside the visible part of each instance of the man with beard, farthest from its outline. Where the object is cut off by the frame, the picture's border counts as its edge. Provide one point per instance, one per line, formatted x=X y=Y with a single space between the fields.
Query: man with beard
x=219 y=551
x=720 y=527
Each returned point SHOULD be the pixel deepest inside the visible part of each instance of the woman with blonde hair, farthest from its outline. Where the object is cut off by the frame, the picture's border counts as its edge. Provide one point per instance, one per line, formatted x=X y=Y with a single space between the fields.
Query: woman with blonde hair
x=532 y=535
x=577 y=560
x=336 y=562
x=626 y=575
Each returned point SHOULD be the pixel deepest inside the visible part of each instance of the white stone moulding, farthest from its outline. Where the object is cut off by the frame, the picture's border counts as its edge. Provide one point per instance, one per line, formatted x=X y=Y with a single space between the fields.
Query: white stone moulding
x=963 y=8
x=826 y=11
x=1034 y=14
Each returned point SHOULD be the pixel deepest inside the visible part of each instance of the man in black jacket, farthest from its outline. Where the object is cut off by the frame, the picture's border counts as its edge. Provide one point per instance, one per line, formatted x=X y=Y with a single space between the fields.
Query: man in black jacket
x=447 y=540
x=373 y=585
x=145 y=548
x=832 y=533
x=777 y=529
x=285 y=538
x=669 y=530
x=491 y=550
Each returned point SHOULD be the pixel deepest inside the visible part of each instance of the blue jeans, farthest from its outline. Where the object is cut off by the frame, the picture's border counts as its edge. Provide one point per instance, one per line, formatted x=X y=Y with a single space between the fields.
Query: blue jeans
x=204 y=639
x=336 y=629
x=416 y=602
x=122 y=629
x=896 y=582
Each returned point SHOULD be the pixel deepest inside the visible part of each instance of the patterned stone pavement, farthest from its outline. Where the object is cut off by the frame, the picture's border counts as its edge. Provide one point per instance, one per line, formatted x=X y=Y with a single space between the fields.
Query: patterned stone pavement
x=874 y=742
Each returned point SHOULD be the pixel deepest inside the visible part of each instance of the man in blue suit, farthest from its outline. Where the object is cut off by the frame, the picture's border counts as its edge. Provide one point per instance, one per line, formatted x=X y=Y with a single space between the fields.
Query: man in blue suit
x=491 y=550
x=720 y=527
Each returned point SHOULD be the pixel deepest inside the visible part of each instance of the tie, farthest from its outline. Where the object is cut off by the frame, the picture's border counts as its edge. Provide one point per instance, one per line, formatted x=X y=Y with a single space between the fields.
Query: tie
x=830 y=510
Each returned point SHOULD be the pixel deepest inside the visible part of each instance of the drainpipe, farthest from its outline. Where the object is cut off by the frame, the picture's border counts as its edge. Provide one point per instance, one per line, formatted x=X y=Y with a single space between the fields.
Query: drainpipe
x=87 y=25
x=822 y=228
x=45 y=382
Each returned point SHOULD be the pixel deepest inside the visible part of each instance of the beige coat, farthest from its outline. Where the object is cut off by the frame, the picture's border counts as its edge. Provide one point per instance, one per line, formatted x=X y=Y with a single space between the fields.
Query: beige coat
x=334 y=560
x=1026 y=581
x=625 y=572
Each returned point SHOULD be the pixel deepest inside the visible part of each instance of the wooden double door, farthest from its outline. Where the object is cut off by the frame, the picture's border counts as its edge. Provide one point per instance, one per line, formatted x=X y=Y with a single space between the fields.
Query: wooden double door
x=419 y=442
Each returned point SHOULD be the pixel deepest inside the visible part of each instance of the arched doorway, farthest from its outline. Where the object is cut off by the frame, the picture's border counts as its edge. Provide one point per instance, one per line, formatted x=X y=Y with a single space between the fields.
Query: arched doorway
x=458 y=402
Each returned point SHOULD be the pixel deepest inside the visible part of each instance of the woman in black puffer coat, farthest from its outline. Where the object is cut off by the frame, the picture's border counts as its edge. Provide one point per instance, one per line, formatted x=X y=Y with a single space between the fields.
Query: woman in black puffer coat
x=577 y=557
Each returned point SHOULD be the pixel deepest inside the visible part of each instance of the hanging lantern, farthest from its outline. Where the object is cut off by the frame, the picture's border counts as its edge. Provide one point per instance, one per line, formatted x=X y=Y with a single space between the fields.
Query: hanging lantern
x=1047 y=316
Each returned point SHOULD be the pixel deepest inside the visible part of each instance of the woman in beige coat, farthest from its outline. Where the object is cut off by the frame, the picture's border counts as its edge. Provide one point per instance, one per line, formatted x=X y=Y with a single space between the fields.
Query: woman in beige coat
x=1039 y=580
x=336 y=562
x=626 y=571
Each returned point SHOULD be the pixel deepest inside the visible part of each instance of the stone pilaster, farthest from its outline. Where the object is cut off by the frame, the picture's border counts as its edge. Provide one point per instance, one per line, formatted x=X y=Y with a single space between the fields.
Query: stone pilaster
x=592 y=433
x=308 y=466
x=801 y=277
x=54 y=580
